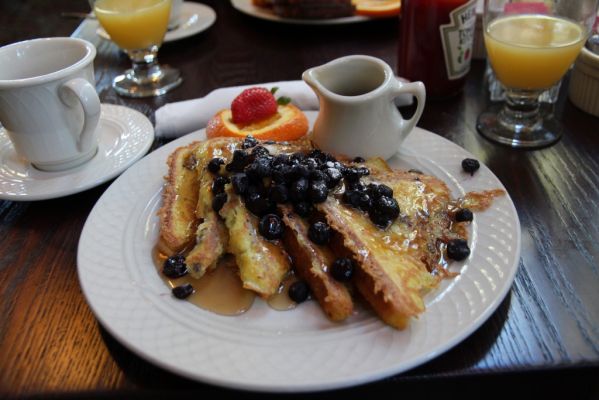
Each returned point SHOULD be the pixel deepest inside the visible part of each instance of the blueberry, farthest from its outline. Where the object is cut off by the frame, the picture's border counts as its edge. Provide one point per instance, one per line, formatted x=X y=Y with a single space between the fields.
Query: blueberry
x=214 y=165
x=320 y=233
x=470 y=165
x=260 y=152
x=279 y=194
x=219 y=201
x=174 y=266
x=183 y=291
x=317 y=154
x=377 y=191
x=298 y=291
x=363 y=171
x=318 y=191
x=218 y=186
x=463 y=214
x=334 y=177
x=303 y=209
x=300 y=171
x=380 y=220
x=351 y=174
x=457 y=249
x=283 y=173
x=317 y=175
x=277 y=174
x=342 y=269
x=255 y=188
x=363 y=201
x=297 y=157
x=258 y=204
x=311 y=163
x=271 y=227
x=248 y=142
x=299 y=190
x=334 y=164
x=356 y=185
x=281 y=159
x=239 y=161
x=386 y=206
x=240 y=183
x=359 y=160
x=350 y=197
x=259 y=169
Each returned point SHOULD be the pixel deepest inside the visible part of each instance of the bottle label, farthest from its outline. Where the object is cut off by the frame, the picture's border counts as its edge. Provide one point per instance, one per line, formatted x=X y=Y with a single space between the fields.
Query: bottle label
x=457 y=37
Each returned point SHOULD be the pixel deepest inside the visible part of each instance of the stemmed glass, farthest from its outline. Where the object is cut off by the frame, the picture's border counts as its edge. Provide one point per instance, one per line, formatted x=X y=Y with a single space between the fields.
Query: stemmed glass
x=530 y=46
x=138 y=27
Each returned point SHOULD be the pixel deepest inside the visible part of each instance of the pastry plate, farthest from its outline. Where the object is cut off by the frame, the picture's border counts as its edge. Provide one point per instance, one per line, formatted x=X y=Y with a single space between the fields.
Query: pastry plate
x=124 y=136
x=246 y=7
x=297 y=350
x=194 y=18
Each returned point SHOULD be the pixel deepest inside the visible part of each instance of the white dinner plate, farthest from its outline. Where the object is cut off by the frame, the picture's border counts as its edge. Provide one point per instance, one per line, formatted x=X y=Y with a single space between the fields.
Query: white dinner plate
x=124 y=136
x=297 y=350
x=194 y=18
x=246 y=7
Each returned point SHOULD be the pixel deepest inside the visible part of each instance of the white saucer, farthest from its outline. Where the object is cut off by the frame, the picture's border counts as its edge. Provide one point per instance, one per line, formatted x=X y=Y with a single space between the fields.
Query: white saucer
x=125 y=135
x=194 y=19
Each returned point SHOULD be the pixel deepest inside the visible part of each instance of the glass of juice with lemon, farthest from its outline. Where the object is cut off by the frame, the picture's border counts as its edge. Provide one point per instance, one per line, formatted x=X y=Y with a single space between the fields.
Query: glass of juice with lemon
x=138 y=27
x=530 y=46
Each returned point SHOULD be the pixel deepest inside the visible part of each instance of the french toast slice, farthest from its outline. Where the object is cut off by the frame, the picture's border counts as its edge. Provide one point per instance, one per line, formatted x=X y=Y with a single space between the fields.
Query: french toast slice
x=211 y=238
x=262 y=263
x=311 y=263
x=396 y=266
x=178 y=221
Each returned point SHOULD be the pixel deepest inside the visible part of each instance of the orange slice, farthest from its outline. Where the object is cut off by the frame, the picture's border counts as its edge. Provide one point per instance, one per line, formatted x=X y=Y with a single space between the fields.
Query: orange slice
x=289 y=123
x=377 y=8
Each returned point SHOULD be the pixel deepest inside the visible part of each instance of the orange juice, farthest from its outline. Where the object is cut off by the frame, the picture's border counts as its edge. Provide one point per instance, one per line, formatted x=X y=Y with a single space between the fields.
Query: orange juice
x=134 y=24
x=532 y=51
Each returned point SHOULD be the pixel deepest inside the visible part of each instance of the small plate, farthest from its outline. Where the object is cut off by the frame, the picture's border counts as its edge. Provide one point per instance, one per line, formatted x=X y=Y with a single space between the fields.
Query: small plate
x=298 y=350
x=246 y=7
x=125 y=135
x=194 y=18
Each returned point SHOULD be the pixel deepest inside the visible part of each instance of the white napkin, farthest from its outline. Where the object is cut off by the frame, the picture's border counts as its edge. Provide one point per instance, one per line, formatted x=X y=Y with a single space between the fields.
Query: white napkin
x=177 y=119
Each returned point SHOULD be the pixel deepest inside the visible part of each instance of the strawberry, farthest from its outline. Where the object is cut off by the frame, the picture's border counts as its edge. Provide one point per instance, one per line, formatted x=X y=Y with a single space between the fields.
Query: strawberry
x=252 y=105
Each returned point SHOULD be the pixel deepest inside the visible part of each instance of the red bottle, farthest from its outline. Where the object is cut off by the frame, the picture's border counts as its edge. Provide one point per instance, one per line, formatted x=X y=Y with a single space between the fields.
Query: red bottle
x=435 y=44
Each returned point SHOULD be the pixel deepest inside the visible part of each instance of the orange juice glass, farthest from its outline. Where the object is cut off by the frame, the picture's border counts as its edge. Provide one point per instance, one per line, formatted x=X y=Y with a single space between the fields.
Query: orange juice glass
x=530 y=46
x=138 y=27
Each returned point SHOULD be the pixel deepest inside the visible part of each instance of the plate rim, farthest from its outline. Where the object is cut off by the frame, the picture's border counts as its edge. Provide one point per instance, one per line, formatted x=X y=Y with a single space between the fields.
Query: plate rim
x=338 y=383
x=149 y=139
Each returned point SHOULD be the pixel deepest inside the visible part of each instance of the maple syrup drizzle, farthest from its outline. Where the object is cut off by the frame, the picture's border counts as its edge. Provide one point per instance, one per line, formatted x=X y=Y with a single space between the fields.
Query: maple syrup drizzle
x=280 y=301
x=219 y=291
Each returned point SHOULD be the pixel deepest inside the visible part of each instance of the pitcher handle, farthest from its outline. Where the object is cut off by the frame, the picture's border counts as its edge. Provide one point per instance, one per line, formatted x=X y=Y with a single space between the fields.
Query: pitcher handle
x=417 y=90
x=87 y=96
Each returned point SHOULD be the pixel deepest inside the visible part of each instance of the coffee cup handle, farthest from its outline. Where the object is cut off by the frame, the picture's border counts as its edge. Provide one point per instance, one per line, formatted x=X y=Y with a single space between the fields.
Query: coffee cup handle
x=417 y=90
x=87 y=96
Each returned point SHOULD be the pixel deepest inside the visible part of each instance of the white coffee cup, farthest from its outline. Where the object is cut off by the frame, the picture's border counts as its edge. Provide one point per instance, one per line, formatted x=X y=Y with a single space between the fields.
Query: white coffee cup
x=175 y=15
x=48 y=102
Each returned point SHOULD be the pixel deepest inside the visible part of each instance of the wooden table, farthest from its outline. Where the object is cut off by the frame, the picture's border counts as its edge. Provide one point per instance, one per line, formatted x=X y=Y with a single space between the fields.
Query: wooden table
x=545 y=334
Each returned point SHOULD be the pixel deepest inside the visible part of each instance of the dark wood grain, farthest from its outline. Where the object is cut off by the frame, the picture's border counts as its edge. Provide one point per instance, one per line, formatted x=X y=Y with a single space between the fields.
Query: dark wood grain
x=544 y=335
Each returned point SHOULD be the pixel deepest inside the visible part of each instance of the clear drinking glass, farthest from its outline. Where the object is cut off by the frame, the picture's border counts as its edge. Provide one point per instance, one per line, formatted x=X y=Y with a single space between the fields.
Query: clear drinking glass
x=530 y=45
x=138 y=27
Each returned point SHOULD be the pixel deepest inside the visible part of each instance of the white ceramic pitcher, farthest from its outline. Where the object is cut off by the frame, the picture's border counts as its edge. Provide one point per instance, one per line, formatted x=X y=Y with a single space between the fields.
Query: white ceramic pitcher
x=358 y=116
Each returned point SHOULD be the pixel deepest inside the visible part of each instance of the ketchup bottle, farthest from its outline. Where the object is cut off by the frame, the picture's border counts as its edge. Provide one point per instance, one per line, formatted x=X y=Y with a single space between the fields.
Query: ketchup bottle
x=435 y=44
